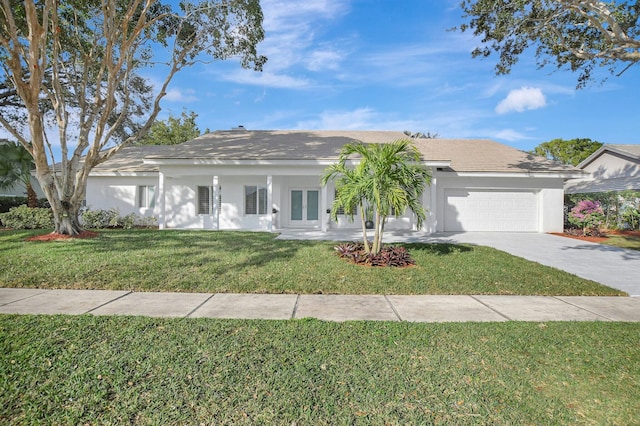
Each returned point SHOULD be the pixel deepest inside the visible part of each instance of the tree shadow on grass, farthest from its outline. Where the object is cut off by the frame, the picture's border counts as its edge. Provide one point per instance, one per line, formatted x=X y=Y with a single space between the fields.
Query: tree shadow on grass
x=438 y=249
x=227 y=250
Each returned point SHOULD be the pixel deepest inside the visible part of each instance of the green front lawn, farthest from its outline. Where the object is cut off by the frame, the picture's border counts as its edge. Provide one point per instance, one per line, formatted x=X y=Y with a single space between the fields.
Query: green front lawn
x=250 y=262
x=623 y=241
x=135 y=370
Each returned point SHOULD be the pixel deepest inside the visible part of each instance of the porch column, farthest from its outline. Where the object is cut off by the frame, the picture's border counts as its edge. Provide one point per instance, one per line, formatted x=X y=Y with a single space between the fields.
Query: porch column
x=161 y=202
x=270 y=203
x=324 y=216
x=216 y=203
x=433 y=210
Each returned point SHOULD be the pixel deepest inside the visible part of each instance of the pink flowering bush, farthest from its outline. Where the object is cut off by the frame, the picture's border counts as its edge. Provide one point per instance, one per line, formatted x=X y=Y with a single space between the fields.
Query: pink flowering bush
x=588 y=215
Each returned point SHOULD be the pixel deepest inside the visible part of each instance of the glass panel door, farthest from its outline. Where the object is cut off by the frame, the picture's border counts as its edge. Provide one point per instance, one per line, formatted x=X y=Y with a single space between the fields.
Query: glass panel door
x=296 y=204
x=312 y=205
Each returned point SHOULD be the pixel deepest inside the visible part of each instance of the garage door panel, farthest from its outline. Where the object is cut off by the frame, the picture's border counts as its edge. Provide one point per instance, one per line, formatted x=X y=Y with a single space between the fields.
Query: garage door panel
x=514 y=211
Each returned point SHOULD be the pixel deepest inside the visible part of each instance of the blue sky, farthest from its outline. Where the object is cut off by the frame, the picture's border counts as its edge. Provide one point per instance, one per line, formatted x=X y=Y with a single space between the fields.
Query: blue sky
x=389 y=65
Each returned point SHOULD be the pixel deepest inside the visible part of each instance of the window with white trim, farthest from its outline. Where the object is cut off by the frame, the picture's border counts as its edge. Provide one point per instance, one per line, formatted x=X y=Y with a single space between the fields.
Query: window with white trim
x=255 y=200
x=354 y=210
x=205 y=200
x=147 y=196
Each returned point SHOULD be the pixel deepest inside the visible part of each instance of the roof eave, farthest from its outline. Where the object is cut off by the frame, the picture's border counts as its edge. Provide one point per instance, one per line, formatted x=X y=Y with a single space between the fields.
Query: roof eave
x=256 y=162
x=604 y=148
x=523 y=174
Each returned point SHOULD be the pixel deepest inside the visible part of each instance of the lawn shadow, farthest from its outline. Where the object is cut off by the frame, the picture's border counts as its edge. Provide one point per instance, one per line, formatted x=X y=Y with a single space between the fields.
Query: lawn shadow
x=226 y=250
x=437 y=248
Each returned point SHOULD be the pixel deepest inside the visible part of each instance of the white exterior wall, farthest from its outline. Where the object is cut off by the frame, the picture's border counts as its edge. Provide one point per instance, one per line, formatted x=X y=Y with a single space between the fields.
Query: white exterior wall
x=181 y=203
x=551 y=209
x=181 y=195
x=121 y=192
x=180 y=192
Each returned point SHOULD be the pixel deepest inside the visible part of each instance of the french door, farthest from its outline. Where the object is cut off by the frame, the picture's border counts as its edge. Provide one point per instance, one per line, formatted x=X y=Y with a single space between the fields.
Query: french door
x=305 y=207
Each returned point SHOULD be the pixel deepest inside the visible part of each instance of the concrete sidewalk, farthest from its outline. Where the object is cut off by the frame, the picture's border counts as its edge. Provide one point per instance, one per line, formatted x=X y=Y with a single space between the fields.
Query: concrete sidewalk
x=430 y=308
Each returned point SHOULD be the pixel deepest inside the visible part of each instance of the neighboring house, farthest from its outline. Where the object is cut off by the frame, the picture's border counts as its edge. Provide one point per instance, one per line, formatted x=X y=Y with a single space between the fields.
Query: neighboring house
x=19 y=190
x=610 y=168
x=269 y=180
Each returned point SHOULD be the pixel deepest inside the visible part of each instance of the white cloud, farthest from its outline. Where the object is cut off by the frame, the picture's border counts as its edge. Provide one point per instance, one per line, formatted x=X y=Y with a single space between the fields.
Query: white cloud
x=291 y=43
x=266 y=79
x=324 y=60
x=291 y=31
x=510 y=135
x=360 y=118
x=525 y=98
x=179 y=95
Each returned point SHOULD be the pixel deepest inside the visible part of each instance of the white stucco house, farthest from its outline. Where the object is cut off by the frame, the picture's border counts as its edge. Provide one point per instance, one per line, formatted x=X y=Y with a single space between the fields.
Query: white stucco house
x=270 y=180
x=613 y=167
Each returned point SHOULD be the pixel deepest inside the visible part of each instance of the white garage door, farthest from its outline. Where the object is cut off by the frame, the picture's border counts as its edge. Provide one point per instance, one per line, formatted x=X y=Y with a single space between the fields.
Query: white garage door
x=475 y=210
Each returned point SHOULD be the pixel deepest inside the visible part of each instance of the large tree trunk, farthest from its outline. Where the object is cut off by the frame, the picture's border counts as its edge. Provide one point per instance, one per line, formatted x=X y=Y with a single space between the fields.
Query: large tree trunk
x=65 y=208
x=66 y=221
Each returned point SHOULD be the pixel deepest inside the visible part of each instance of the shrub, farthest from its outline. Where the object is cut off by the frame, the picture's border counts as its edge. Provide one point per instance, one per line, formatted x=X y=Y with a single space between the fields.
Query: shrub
x=124 y=222
x=23 y=217
x=587 y=215
x=389 y=255
x=99 y=219
x=631 y=217
x=618 y=207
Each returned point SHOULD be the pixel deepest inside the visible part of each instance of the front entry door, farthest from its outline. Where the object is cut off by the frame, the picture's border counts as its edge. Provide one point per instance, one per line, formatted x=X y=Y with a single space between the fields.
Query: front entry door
x=305 y=207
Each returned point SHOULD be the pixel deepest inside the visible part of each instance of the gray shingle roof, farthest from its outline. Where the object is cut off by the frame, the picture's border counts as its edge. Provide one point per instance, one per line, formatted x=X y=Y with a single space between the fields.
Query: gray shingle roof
x=274 y=144
x=131 y=159
x=465 y=155
x=483 y=155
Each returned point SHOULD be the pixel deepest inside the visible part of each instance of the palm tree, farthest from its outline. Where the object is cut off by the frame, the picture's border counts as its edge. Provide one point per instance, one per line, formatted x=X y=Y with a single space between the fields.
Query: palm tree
x=16 y=164
x=388 y=177
x=352 y=186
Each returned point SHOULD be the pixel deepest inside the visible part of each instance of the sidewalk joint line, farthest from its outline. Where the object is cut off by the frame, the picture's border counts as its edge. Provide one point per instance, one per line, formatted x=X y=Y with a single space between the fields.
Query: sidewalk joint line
x=295 y=307
x=27 y=297
x=494 y=310
x=199 y=306
x=584 y=309
x=109 y=301
x=393 y=308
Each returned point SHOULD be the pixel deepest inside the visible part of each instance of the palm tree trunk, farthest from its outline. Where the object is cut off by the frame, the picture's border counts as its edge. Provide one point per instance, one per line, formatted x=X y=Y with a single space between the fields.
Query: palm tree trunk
x=32 y=197
x=376 y=235
x=365 y=238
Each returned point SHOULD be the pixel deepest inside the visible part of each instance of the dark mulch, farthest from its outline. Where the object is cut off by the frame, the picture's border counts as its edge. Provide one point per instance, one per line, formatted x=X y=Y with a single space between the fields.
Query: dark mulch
x=395 y=256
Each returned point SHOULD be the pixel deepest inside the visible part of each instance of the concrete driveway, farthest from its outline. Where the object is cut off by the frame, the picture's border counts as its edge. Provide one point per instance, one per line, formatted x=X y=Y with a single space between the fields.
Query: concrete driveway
x=611 y=266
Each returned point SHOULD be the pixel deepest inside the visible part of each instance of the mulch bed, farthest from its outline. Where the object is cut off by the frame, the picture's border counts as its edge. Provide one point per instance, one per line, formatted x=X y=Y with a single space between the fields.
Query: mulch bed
x=55 y=236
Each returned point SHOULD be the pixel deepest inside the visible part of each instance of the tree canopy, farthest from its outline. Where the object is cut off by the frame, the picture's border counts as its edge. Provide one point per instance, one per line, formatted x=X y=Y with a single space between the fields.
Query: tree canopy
x=421 y=135
x=572 y=151
x=579 y=35
x=172 y=131
x=70 y=76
